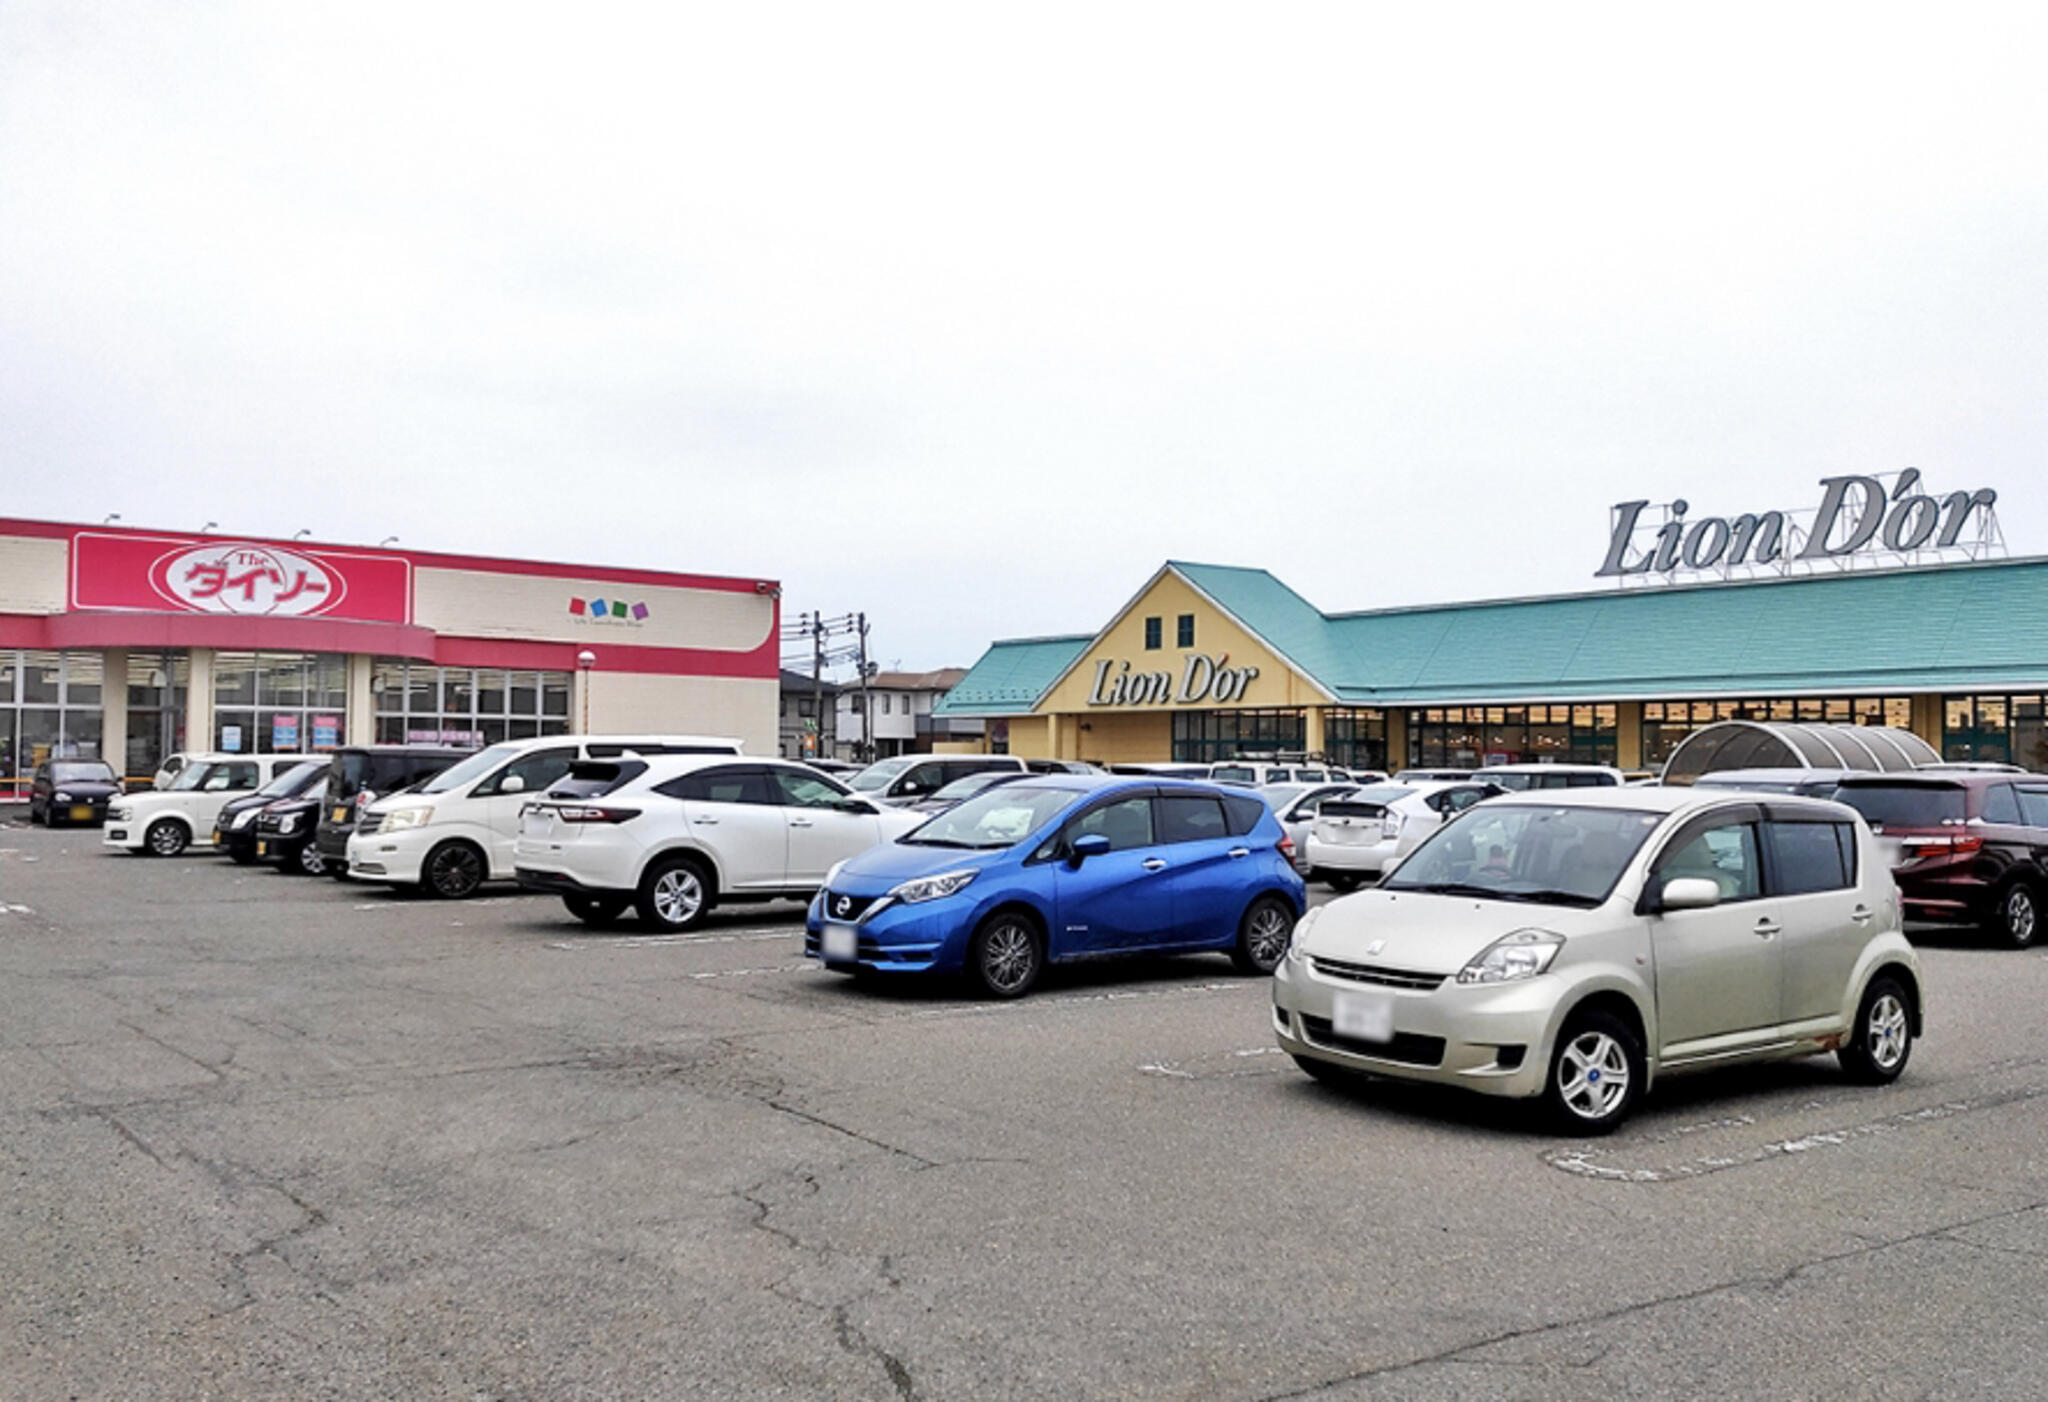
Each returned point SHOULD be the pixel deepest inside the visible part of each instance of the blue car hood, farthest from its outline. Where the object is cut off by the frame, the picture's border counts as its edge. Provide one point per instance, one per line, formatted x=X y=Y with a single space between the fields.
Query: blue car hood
x=880 y=867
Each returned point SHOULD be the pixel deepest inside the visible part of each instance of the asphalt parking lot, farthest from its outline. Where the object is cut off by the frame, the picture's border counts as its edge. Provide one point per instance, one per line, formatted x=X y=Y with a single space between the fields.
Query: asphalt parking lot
x=274 y=1136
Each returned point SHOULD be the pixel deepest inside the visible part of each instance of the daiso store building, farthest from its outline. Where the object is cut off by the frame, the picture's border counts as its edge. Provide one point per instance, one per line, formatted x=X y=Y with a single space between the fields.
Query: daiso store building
x=130 y=645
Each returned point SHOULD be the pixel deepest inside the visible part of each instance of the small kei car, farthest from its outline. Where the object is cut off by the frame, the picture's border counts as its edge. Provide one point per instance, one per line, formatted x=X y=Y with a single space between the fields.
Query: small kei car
x=72 y=791
x=1064 y=866
x=1631 y=933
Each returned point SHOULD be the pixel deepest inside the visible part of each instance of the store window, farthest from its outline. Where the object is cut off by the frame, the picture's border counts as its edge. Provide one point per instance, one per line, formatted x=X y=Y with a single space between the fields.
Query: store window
x=1200 y=736
x=1470 y=736
x=2004 y=729
x=1356 y=738
x=49 y=709
x=157 y=687
x=424 y=705
x=279 y=702
x=1665 y=723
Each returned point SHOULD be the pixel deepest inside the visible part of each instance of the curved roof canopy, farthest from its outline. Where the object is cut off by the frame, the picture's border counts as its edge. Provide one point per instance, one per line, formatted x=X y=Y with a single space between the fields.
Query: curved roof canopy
x=1763 y=744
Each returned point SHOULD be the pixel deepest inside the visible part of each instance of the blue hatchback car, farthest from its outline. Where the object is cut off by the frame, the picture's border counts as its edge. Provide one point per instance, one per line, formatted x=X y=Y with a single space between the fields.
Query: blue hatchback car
x=1065 y=866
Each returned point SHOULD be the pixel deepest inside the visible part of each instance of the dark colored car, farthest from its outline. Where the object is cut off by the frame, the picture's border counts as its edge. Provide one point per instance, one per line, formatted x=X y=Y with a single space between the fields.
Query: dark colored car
x=234 y=831
x=963 y=789
x=285 y=828
x=360 y=775
x=1965 y=848
x=71 y=791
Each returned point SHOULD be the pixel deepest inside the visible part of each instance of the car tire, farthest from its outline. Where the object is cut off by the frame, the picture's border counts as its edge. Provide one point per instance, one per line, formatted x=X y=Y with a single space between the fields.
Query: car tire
x=674 y=895
x=2016 y=920
x=1343 y=882
x=306 y=861
x=1262 y=936
x=598 y=912
x=1881 y=1041
x=1594 y=1050
x=165 y=838
x=1006 y=955
x=453 y=871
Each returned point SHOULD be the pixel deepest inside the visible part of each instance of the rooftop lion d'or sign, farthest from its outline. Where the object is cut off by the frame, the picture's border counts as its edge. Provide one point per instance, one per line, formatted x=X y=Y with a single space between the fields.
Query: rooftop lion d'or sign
x=1201 y=679
x=1856 y=514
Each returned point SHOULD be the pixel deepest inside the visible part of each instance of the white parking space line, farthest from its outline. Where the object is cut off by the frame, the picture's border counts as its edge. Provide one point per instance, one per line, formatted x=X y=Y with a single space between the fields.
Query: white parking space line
x=1590 y=1163
x=602 y=942
x=16 y=909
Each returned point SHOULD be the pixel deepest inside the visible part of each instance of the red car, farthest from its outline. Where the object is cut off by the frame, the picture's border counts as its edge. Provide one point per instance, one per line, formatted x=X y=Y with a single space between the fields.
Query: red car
x=1965 y=848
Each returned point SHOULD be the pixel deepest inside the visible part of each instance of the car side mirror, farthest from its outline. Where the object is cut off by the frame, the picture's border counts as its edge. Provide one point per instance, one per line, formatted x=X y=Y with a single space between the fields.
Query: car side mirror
x=512 y=783
x=855 y=805
x=1093 y=845
x=1688 y=893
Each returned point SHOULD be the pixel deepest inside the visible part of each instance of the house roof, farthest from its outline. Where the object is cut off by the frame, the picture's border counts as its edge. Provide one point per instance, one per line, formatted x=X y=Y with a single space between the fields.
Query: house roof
x=801 y=681
x=944 y=679
x=1929 y=628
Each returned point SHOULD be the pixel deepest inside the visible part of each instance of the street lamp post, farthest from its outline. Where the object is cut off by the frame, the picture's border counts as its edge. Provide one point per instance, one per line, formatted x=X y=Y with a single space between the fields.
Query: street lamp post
x=585 y=660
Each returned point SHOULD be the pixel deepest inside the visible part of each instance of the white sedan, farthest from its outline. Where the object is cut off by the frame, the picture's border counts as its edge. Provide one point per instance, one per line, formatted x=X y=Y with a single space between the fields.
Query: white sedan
x=674 y=835
x=1355 y=837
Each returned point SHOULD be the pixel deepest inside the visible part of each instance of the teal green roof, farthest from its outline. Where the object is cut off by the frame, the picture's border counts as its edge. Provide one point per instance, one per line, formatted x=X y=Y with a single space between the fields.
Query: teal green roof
x=1012 y=675
x=1935 y=628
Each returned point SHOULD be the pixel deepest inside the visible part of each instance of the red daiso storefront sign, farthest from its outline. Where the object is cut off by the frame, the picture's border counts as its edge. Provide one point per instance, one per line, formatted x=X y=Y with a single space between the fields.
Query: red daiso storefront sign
x=187 y=575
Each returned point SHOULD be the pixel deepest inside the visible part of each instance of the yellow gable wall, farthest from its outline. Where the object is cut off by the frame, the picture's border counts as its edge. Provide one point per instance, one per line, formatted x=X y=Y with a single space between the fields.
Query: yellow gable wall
x=1170 y=596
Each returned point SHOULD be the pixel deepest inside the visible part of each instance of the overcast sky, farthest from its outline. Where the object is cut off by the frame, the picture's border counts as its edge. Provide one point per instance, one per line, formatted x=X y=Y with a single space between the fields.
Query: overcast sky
x=970 y=316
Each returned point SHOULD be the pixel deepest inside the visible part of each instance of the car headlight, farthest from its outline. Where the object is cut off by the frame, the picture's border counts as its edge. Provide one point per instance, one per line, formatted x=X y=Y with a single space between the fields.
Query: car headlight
x=1297 y=945
x=288 y=824
x=931 y=888
x=244 y=818
x=117 y=815
x=60 y=798
x=1523 y=954
x=405 y=818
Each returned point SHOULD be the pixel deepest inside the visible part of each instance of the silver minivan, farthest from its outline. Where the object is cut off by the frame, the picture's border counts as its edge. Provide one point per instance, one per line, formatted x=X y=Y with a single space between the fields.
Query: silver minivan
x=1575 y=945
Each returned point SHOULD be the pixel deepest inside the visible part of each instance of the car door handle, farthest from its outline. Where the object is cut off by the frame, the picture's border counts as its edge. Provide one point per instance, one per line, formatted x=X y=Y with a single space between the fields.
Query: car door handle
x=1154 y=864
x=704 y=822
x=800 y=822
x=1240 y=851
x=1766 y=928
x=1861 y=915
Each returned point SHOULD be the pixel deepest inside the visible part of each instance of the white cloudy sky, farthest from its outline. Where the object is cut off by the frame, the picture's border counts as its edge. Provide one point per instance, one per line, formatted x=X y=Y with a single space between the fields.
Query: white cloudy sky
x=969 y=316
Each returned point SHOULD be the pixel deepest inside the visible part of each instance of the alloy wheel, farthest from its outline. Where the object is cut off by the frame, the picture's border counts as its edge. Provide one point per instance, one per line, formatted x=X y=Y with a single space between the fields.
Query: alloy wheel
x=455 y=872
x=1009 y=956
x=2020 y=915
x=1267 y=936
x=166 y=839
x=678 y=895
x=1592 y=1075
x=1887 y=1032
x=310 y=860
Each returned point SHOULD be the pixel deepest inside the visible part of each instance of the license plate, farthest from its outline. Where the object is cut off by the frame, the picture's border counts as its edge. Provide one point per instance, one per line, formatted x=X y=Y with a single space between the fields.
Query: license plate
x=341 y=815
x=1369 y=1017
x=81 y=814
x=262 y=849
x=841 y=942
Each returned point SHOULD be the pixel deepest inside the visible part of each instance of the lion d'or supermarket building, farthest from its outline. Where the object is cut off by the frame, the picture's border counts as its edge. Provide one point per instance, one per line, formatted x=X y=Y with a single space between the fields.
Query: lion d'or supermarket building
x=1212 y=662
x=130 y=645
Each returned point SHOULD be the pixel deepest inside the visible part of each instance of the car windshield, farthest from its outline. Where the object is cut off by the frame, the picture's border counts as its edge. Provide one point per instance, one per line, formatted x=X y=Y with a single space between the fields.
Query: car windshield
x=1542 y=853
x=877 y=775
x=78 y=773
x=293 y=781
x=191 y=777
x=1002 y=817
x=1904 y=805
x=1278 y=796
x=475 y=767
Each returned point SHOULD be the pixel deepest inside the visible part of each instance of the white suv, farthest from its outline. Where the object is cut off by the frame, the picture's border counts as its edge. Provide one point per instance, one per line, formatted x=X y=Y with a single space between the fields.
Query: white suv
x=164 y=822
x=675 y=835
x=455 y=831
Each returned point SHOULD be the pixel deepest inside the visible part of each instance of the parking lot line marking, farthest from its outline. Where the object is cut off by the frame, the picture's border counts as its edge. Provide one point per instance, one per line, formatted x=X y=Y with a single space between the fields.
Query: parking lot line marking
x=1583 y=1161
x=664 y=941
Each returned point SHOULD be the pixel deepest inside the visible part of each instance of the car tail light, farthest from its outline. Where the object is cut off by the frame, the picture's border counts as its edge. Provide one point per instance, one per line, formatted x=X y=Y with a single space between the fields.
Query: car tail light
x=1287 y=847
x=1956 y=845
x=586 y=813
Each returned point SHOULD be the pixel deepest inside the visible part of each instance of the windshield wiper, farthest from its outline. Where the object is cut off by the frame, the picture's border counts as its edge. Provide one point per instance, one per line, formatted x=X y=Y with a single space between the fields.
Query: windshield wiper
x=1451 y=888
x=932 y=842
x=1551 y=896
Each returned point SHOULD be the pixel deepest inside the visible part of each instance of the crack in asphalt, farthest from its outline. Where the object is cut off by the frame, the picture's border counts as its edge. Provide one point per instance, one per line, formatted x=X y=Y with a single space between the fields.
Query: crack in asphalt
x=1771 y=1283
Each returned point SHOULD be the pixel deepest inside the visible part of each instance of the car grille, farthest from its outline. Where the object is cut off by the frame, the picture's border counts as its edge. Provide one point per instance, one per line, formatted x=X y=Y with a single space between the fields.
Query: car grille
x=1408 y=1048
x=367 y=825
x=840 y=906
x=1385 y=978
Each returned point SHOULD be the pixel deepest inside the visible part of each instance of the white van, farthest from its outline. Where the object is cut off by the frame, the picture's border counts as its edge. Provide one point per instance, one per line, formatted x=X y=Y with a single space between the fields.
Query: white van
x=164 y=822
x=1517 y=778
x=452 y=833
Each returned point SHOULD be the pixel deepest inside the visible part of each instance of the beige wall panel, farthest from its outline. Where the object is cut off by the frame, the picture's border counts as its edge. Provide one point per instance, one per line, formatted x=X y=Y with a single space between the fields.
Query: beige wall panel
x=1129 y=737
x=34 y=574
x=1276 y=684
x=478 y=604
x=1030 y=736
x=646 y=703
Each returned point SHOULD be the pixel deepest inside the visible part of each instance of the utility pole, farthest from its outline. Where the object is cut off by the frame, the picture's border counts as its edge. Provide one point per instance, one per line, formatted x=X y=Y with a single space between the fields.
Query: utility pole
x=867 y=714
x=818 y=683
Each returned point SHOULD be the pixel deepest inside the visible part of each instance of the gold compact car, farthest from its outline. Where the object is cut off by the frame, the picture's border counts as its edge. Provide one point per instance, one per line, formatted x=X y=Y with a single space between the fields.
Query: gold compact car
x=1577 y=946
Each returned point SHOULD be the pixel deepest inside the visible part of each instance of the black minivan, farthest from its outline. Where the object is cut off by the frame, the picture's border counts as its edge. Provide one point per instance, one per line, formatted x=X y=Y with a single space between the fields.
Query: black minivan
x=357 y=777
